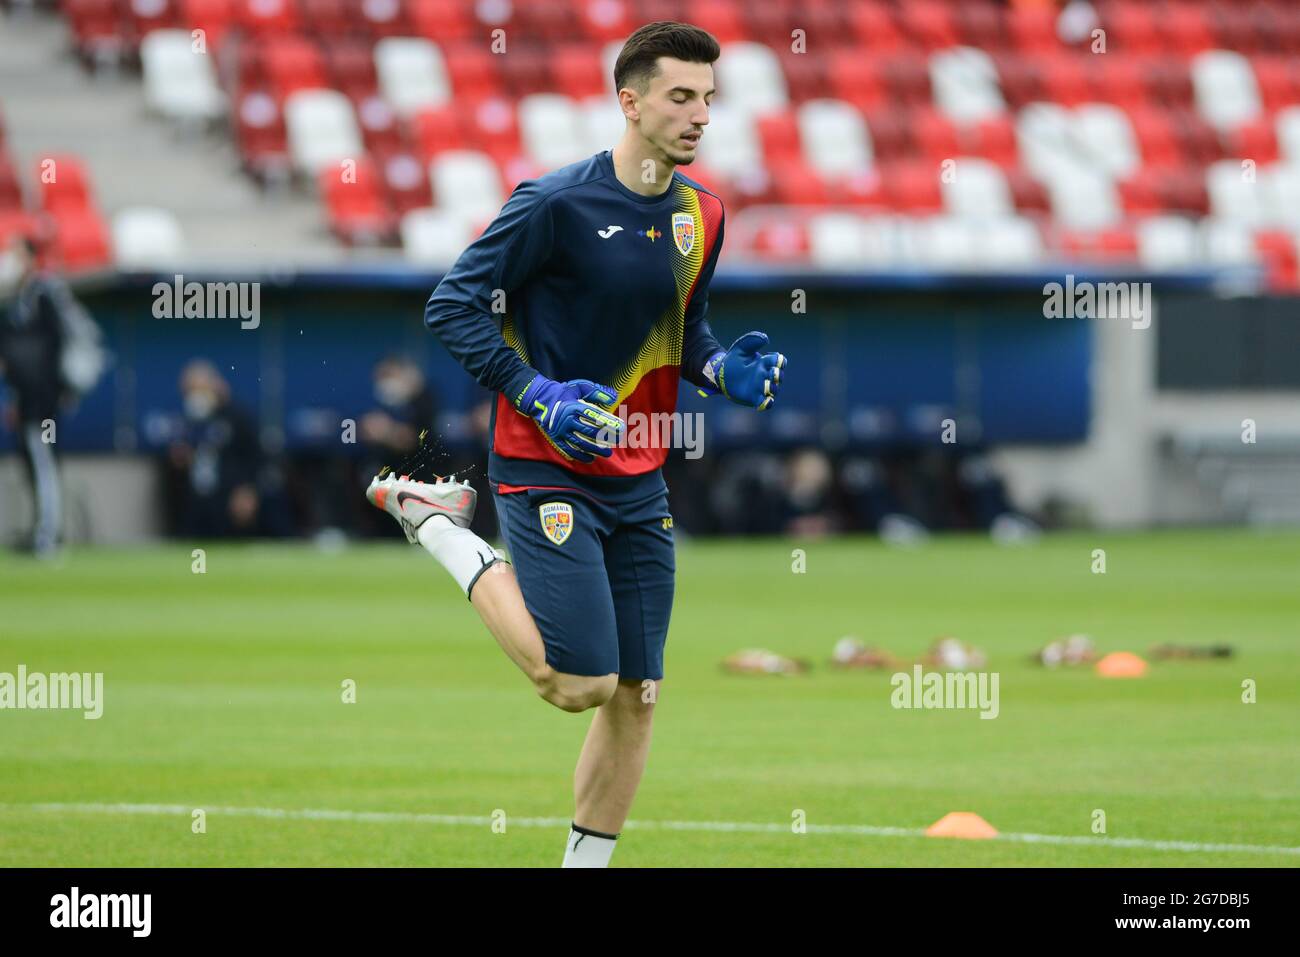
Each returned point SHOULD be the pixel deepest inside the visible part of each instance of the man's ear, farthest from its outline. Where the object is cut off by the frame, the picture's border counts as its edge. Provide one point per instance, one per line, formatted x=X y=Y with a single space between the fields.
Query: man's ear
x=627 y=101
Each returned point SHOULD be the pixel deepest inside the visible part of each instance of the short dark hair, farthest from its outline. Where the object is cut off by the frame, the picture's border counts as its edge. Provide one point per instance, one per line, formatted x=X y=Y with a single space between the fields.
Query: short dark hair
x=636 y=64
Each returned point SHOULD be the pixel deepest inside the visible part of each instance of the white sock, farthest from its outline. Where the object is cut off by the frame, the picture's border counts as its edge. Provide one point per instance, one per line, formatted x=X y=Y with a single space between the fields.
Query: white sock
x=588 y=848
x=460 y=551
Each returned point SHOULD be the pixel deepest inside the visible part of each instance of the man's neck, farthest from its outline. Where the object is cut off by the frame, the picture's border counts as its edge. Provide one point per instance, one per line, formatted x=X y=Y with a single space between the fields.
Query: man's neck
x=631 y=156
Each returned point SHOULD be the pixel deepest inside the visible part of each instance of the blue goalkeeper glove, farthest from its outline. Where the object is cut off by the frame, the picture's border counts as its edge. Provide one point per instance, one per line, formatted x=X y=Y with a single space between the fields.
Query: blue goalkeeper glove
x=570 y=418
x=746 y=374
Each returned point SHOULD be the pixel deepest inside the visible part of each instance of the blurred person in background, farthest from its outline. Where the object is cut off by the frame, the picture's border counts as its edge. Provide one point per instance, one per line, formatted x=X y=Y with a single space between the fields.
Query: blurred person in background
x=806 y=494
x=217 y=458
x=50 y=355
x=390 y=432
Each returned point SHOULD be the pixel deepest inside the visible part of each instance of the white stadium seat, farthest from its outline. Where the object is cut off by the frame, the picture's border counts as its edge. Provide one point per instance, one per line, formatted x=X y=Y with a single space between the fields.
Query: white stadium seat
x=965 y=84
x=835 y=138
x=1283 y=194
x=1009 y=242
x=1288 y=133
x=412 y=74
x=602 y=123
x=466 y=182
x=551 y=127
x=837 y=241
x=178 y=82
x=749 y=75
x=730 y=145
x=1232 y=195
x=1105 y=133
x=1228 y=242
x=434 y=237
x=1225 y=88
x=978 y=188
x=1168 y=242
x=1043 y=138
x=322 y=130
x=146 y=236
x=1082 y=197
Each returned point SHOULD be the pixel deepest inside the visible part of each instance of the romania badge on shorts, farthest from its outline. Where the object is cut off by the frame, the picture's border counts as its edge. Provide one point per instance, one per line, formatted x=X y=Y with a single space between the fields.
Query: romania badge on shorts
x=557 y=521
x=684 y=232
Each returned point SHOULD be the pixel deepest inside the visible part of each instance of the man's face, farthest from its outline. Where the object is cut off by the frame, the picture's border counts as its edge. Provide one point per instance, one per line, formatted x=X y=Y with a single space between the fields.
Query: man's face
x=675 y=108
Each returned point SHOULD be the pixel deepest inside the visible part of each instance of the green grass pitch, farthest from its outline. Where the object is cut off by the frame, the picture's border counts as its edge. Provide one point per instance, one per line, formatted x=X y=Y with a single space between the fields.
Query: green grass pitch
x=223 y=691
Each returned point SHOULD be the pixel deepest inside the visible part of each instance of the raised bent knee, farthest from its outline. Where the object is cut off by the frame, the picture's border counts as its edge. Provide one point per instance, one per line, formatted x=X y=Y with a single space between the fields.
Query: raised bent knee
x=575 y=693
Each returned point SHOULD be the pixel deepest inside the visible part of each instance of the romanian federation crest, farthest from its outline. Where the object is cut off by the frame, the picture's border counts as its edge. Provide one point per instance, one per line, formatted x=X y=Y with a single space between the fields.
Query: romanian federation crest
x=557 y=521
x=684 y=232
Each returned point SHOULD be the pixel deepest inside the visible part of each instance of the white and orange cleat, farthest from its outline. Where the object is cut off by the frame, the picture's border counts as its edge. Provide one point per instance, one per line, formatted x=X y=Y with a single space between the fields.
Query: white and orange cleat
x=414 y=503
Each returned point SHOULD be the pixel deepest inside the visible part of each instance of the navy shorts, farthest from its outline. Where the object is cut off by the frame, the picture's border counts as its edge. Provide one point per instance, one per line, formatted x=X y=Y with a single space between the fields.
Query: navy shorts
x=597 y=577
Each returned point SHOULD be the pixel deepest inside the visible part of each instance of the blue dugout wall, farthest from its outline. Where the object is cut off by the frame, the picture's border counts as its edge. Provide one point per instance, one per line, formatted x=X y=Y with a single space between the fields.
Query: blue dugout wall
x=873 y=361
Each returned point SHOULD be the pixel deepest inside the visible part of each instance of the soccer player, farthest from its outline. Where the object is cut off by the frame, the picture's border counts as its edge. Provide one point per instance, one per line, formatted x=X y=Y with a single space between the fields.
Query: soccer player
x=599 y=274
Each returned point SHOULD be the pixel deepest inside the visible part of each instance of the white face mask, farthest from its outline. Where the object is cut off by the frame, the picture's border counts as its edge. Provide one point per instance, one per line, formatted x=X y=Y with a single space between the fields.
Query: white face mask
x=200 y=404
x=391 y=391
x=11 y=271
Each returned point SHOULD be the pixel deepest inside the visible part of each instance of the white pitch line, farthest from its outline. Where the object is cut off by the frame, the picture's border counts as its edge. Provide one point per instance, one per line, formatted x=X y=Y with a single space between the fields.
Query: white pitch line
x=716 y=827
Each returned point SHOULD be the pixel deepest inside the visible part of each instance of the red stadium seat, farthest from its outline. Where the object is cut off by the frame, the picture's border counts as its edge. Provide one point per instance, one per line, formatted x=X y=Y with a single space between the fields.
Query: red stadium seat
x=1119 y=243
x=357 y=210
x=64 y=185
x=928 y=23
x=722 y=18
x=491 y=124
x=264 y=17
x=1277 y=249
x=214 y=17
x=11 y=187
x=994 y=139
x=383 y=18
x=1182 y=189
x=934 y=134
x=779 y=134
x=781 y=240
x=1027 y=192
x=890 y=136
x=1197 y=139
x=1232 y=29
x=1033 y=28
x=352 y=67
x=981 y=24
x=442 y=21
x=1278 y=78
x=97 y=27
x=292 y=63
x=1132 y=27
x=1188 y=28
x=576 y=71
x=794 y=182
x=1020 y=78
x=1118 y=78
x=1065 y=77
x=1139 y=194
x=379 y=124
x=907 y=78
x=1256 y=140
x=328 y=19
x=406 y=181
x=147 y=15
x=527 y=69
x=912 y=186
x=472 y=70
x=548 y=22
x=1158 y=141
x=260 y=135
x=1169 y=81
x=435 y=131
x=608 y=20
x=875 y=29
x=857 y=79
x=80 y=240
x=805 y=76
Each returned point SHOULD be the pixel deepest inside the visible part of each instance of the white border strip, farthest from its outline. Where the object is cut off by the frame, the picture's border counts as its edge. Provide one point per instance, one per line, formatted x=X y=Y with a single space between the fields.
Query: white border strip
x=716 y=827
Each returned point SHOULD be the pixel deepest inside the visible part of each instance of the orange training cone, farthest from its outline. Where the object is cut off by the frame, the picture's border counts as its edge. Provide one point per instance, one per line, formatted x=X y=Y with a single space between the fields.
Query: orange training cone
x=1121 y=664
x=963 y=824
